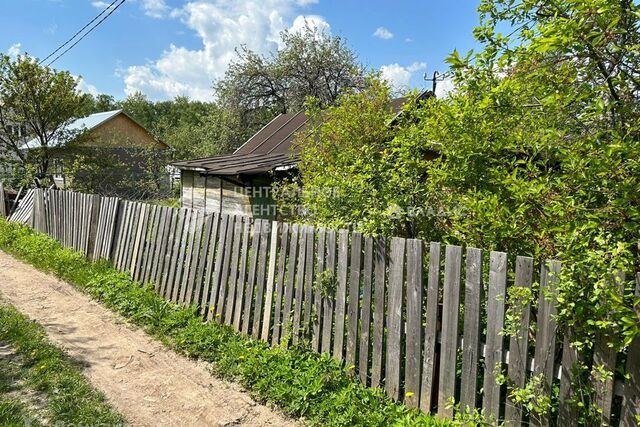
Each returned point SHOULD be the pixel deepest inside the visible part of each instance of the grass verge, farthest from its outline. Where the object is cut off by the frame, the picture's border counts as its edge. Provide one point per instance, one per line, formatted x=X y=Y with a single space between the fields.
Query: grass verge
x=39 y=384
x=301 y=382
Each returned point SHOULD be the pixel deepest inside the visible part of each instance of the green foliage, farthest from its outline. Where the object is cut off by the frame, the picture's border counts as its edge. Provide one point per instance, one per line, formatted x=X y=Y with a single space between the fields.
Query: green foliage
x=538 y=152
x=41 y=100
x=346 y=172
x=44 y=368
x=256 y=88
x=303 y=383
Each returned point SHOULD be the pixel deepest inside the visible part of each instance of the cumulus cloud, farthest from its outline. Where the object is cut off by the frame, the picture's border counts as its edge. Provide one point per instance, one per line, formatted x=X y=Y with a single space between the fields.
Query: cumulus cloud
x=312 y=22
x=152 y=8
x=444 y=87
x=84 y=87
x=99 y=4
x=222 y=26
x=14 y=50
x=155 y=8
x=383 y=33
x=399 y=76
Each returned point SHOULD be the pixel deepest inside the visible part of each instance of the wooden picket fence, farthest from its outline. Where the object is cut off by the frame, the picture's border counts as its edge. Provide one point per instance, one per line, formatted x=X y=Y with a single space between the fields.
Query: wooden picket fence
x=424 y=322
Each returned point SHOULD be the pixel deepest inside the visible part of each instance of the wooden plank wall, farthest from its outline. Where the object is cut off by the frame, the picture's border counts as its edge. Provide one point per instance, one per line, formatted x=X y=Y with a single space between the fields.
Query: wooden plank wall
x=425 y=323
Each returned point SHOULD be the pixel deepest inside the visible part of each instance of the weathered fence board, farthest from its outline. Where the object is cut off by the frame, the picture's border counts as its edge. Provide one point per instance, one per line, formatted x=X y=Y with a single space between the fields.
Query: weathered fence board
x=413 y=365
x=224 y=277
x=3 y=202
x=449 y=342
x=604 y=358
x=471 y=328
x=299 y=289
x=394 y=317
x=518 y=343
x=354 y=298
x=233 y=268
x=328 y=301
x=217 y=267
x=289 y=285
x=496 y=296
x=279 y=296
x=308 y=281
x=365 y=312
x=271 y=277
x=428 y=389
x=546 y=331
x=265 y=231
x=242 y=278
x=380 y=269
x=317 y=297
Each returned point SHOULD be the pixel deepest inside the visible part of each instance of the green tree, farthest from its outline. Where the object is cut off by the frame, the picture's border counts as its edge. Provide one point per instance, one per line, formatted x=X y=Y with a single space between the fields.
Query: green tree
x=42 y=100
x=141 y=109
x=256 y=88
x=538 y=154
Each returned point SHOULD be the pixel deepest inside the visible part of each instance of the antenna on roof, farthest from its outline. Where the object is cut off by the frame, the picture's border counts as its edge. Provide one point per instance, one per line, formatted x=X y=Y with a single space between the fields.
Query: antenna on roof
x=437 y=77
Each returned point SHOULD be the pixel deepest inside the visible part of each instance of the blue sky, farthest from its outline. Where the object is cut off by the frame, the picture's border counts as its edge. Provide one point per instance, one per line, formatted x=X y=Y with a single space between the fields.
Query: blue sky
x=166 y=48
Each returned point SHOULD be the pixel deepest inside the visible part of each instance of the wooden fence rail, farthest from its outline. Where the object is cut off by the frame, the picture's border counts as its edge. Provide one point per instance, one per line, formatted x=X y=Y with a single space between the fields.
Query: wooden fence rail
x=423 y=322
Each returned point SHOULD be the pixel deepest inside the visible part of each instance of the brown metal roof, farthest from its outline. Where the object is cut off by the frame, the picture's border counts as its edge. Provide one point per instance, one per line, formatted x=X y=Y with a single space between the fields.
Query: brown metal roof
x=269 y=148
x=276 y=136
x=239 y=164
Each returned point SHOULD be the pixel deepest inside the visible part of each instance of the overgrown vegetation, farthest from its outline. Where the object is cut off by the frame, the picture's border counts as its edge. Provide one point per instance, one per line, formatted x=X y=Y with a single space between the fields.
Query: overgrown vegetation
x=40 y=385
x=304 y=384
x=538 y=150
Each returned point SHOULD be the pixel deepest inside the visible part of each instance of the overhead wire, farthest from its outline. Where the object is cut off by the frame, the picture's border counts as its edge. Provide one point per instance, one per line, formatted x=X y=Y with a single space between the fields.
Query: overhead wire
x=111 y=9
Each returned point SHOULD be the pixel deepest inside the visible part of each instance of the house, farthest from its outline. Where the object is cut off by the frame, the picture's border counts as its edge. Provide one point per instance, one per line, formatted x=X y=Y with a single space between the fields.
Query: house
x=14 y=133
x=112 y=140
x=241 y=183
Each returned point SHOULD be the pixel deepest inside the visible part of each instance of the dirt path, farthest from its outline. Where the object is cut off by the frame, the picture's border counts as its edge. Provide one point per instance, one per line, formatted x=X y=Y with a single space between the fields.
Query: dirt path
x=148 y=384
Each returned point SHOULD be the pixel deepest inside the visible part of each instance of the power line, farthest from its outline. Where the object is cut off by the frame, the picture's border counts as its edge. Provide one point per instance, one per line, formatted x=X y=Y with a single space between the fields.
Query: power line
x=88 y=31
x=79 y=31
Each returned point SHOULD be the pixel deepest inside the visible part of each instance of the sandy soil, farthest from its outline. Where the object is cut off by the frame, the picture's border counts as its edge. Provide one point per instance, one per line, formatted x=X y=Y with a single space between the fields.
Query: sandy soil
x=147 y=383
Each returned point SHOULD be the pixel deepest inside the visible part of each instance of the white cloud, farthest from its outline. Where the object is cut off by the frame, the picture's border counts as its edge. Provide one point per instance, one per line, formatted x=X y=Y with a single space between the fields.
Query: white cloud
x=399 y=77
x=14 y=50
x=155 y=8
x=444 y=87
x=307 y=2
x=99 y=4
x=313 y=22
x=222 y=26
x=85 y=87
x=383 y=33
x=417 y=66
x=408 y=40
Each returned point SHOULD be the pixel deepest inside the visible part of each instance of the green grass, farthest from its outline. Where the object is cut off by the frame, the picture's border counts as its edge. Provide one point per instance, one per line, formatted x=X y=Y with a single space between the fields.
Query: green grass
x=302 y=383
x=39 y=382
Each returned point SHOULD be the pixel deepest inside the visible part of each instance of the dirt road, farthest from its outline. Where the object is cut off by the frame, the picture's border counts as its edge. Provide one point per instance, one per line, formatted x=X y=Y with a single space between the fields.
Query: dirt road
x=147 y=383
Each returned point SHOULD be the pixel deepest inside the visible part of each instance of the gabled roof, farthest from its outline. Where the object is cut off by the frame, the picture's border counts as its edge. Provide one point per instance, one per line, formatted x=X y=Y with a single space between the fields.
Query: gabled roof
x=86 y=124
x=239 y=164
x=269 y=148
x=276 y=137
x=83 y=124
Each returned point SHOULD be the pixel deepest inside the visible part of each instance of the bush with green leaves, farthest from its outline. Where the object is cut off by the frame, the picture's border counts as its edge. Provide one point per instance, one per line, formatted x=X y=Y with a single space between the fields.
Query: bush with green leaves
x=539 y=148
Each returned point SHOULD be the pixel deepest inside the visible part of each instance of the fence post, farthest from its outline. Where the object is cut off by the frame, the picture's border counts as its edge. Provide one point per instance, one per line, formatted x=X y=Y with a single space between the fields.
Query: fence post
x=3 y=202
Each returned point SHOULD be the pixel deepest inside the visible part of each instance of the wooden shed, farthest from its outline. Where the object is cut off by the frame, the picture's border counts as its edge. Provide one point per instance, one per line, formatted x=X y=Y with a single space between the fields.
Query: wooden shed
x=241 y=183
